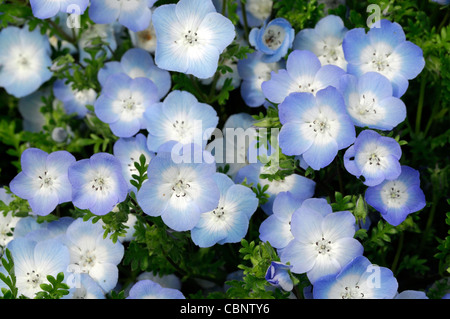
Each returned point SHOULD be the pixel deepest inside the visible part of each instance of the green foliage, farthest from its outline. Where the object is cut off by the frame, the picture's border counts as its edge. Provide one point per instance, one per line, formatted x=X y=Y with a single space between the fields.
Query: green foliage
x=300 y=13
x=10 y=280
x=55 y=289
x=254 y=285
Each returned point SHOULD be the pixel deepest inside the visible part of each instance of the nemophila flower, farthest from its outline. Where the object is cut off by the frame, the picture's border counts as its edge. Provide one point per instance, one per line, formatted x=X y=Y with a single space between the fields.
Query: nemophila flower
x=359 y=279
x=74 y=101
x=230 y=148
x=43 y=180
x=276 y=229
x=323 y=241
x=137 y=63
x=148 y=289
x=373 y=156
x=97 y=183
x=93 y=254
x=228 y=222
x=133 y=14
x=128 y=151
x=82 y=286
x=254 y=71
x=316 y=127
x=123 y=101
x=370 y=102
x=180 y=189
x=24 y=60
x=299 y=186
x=274 y=39
x=303 y=73
x=385 y=50
x=33 y=262
x=180 y=118
x=278 y=275
x=190 y=36
x=324 y=40
x=396 y=199
x=44 y=9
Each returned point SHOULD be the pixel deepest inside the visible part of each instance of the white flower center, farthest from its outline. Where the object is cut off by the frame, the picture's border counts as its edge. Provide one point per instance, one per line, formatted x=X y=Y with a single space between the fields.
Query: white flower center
x=100 y=184
x=34 y=279
x=319 y=125
x=394 y=194
x=190 y=38
x=380 y=61
x=352 y=292
x=87 y=260
x=273 y=36
x=22 y=61
x=219 y=212
x=180 y=188
x=323 y=246
x=46 y=181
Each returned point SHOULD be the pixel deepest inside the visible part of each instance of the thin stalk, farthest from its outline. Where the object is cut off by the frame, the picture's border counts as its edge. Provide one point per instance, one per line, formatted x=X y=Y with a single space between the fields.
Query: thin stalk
x=61 y=32
x=423 y=84
x=398 y=253
x=244 y=17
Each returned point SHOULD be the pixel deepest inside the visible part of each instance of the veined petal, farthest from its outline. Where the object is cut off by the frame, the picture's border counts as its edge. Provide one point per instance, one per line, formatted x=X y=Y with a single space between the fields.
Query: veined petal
x=192 y=12
x=216 y=30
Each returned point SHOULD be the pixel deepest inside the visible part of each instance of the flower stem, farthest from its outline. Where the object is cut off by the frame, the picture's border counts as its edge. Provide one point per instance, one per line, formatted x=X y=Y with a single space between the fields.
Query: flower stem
x=397 y=254
x=244 y=17
x=423 y=84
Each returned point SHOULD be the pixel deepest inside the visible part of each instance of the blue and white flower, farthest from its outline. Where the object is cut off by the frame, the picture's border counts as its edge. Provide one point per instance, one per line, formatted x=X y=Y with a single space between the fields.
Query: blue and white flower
x=136 y=63
x=123 y=101
x=359 y=279
x=180 y=118
x=229 y=221
x=370 y=102
x=316 y=127
x=93 y=254
x=396 y=199
x=303 y=73
x=373 y=156
x=133 y=14
x=273 y=39
x=180 y=187
x=190 y=36
x=34 y=261
x=24 y=60
x=385 y=50
x=323 y=240
x=324 y=40
x=43 y=180
x=97 y=183
x=278 y=276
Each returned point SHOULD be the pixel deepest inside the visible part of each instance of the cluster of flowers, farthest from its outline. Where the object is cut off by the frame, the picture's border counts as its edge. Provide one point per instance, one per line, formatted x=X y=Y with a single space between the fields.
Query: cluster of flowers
x=332 y=81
